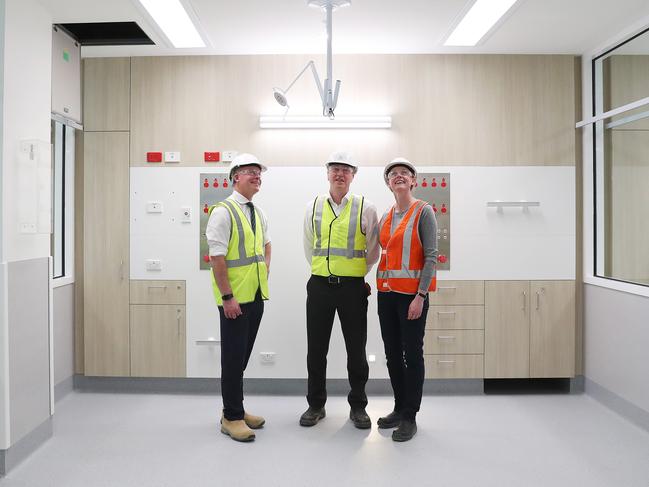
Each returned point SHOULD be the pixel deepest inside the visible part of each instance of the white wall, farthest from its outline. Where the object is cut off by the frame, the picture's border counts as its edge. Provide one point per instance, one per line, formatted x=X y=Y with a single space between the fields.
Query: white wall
x=25 y=61
x=63 y=325
x=485 y=244
x=616 y=328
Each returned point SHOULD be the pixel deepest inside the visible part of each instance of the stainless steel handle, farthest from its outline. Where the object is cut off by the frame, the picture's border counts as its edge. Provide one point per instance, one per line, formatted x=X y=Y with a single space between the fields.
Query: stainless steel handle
x=446 y=288
x=121 y=270
x=524 y=301
x=446 y=312
x=178 y=313
x=446 y=361
x=445 y=337
x=157 y=287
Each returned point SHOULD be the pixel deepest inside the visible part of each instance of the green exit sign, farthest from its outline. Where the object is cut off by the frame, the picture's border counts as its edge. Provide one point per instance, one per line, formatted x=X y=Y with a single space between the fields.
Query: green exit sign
x=66 y=56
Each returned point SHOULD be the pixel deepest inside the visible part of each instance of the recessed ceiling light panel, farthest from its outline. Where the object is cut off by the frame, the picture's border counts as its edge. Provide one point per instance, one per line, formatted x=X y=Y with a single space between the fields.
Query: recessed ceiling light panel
x=482 y=16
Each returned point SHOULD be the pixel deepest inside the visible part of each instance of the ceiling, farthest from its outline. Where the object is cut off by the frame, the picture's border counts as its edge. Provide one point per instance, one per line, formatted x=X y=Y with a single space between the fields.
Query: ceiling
x=367 y=26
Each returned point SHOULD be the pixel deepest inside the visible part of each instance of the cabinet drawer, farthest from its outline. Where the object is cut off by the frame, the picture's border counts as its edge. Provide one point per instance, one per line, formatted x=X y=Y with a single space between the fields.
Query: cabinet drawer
x=157 y=292
x=455 y=318
x=458 y=292
x=454 y=341
x=454 y=366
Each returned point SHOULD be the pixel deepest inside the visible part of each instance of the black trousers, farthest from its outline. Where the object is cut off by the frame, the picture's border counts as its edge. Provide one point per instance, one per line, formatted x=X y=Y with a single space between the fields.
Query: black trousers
x=403 y=341
x=349 y=299
x=237 y=339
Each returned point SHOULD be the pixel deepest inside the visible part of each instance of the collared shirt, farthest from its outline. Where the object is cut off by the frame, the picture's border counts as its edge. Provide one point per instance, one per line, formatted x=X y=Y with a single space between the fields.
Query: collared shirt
x=219 y=226
x=369 y=227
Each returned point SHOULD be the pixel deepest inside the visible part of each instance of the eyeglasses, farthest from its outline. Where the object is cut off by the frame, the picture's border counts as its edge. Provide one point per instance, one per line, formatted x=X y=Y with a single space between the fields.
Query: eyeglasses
x=250 y=172
x=341 y=169
x=402 y=172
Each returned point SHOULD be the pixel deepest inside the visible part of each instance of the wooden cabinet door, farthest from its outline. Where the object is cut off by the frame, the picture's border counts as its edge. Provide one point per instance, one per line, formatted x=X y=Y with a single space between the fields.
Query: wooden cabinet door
x=552 y=329
x=157 y=340
x=507 y=330
x=106 y=253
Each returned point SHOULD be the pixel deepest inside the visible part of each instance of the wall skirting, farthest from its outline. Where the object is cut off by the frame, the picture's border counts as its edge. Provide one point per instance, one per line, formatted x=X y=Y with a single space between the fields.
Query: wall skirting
x=25 y=446
x=621 y=406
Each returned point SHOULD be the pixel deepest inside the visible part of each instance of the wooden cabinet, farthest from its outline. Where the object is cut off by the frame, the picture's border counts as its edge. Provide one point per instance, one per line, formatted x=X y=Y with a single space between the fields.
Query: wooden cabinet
x=106 y=253
x=529 y=329
x=157 y=336
x=106 y=94
x=454 y=340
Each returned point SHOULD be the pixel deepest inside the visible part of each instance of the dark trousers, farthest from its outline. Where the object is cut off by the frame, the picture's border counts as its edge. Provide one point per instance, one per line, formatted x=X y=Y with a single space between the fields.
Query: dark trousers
x=403 y=340
x=349 y=299
x=237 y=338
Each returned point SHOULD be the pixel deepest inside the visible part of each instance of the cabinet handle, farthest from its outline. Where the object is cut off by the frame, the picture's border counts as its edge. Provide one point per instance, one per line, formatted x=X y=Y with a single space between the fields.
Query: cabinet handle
x=121 y=270
x=447 y=288
x=538 y=297
x=157 y=287
x=445 y=337
x=524 y=301
x=178 y=321
x=450 y=362
x=446 y=313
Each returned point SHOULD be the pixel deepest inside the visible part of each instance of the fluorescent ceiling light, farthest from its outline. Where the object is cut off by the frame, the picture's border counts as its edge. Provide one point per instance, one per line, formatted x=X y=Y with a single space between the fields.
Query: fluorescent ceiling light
x=173 y=20
x=482 y=16
x=325 y=122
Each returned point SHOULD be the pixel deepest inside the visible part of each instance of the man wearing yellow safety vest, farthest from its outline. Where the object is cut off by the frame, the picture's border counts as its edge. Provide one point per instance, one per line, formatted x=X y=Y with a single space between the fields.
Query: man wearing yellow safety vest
x=341 y=245
x=239 y=245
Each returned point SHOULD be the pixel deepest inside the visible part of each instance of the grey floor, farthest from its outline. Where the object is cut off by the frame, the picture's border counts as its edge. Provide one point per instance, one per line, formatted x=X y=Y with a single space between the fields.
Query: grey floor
x=483 y=440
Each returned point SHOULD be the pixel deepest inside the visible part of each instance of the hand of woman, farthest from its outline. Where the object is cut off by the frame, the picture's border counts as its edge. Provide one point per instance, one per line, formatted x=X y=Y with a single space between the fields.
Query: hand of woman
x=415 y=308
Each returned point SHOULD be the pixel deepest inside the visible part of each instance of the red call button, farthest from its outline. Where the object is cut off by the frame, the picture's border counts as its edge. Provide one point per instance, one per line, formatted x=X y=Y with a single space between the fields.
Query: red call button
x=154 y=157
x=212 y=156
x=441 y=259
x=206 y=258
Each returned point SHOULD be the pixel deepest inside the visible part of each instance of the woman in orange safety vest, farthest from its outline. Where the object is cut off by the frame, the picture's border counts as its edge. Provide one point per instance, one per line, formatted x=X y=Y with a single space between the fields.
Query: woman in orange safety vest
x=406 y=273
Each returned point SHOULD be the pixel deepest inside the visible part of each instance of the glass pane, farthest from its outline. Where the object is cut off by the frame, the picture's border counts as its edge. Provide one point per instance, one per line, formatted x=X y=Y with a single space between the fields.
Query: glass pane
x=58 y=194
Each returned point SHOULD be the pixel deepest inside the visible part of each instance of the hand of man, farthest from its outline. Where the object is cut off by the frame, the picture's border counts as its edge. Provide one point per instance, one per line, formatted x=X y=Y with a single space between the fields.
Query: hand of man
x=231 y=309
x=415 y=308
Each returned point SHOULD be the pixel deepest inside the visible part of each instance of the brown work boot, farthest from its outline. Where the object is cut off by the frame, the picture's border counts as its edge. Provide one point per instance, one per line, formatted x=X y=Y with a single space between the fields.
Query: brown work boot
x=237 y=430
x=253 y=422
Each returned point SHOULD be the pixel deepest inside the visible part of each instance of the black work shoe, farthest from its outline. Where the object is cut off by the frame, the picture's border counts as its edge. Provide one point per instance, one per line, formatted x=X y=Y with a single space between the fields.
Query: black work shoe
x=406 y=430
x=360 y=418
x=311 y=416
x=392 y=420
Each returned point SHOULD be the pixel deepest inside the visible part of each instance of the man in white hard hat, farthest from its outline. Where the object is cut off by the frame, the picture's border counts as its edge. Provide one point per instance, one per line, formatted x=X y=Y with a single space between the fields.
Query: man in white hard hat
x=239 y=247
x=341 y=245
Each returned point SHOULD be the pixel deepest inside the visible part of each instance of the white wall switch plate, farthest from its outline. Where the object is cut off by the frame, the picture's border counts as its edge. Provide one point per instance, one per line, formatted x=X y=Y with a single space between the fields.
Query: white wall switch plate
x=267 y=357
x=172 y=156
x=228 y=155
x=154 y=207
x=153 y=265
x=186 y=214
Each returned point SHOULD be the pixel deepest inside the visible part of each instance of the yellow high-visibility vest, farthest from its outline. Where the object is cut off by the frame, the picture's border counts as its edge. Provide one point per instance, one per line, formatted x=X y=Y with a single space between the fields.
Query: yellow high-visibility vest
x=245 y=261
x=339 y=246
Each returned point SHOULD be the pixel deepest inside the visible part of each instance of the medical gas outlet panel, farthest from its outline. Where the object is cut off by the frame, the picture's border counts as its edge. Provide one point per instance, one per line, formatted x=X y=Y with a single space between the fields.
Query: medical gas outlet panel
x=435 y=188
x=214 y=187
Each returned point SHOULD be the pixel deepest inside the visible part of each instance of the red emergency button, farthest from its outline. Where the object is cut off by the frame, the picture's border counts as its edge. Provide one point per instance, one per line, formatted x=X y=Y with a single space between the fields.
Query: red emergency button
x=215 y=183
x=444 y=209
x=434 y=183
x=225 y=183
x=443 y=182
x=434 y=208
x=441 y=259
x=424 y=183
x=206 y=209
x=206 y=184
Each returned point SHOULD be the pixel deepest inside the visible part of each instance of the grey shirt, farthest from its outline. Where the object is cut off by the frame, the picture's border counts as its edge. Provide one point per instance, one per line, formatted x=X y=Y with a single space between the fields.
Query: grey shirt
x=427 y=229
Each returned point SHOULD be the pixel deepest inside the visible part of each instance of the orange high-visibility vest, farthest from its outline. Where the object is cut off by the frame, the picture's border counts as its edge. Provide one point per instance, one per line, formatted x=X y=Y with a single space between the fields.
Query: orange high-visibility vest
x=402 y=254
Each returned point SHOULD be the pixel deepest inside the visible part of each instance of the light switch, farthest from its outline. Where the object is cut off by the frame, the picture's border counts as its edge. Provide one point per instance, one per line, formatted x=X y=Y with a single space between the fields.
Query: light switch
x=172 y=156
x=154 y=207
x=228 y=155
x=153 y=265
x=186 y=214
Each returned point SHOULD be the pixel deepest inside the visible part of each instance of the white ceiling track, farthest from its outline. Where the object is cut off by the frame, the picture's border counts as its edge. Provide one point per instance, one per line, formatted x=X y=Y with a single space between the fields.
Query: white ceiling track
x=328 y=95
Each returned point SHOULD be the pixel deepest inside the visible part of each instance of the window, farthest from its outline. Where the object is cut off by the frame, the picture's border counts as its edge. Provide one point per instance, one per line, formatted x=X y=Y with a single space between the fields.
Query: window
x=621 y=166
x=62 y=242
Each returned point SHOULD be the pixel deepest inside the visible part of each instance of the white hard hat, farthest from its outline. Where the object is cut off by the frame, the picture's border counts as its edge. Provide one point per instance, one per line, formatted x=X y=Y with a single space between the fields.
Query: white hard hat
x=342 y=157
x=398 y=161
x=245 y=159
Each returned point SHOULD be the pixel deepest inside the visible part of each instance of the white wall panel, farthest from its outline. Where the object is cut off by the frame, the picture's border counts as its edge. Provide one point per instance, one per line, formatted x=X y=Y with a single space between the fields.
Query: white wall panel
x=539 y=244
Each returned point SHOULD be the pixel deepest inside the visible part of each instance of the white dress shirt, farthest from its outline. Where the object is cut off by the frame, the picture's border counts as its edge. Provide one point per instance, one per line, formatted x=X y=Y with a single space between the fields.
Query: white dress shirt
x=219 y=226
x=369 y=227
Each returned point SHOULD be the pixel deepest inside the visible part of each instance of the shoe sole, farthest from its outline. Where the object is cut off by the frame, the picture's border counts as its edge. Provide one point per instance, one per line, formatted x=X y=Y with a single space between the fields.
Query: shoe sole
x=363 y=426
x=311 y=423
x=242 y=440
x=401 y=440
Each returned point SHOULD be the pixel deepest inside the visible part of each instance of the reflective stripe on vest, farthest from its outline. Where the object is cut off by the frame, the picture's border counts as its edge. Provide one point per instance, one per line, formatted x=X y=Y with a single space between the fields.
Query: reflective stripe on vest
x=245 y=262
x=401 y=268
x=334 y=252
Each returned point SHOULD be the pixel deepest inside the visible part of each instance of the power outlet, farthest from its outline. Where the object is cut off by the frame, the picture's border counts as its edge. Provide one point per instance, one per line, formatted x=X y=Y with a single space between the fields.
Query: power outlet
x=153 y=265
x=228 y=155
x=267 y=357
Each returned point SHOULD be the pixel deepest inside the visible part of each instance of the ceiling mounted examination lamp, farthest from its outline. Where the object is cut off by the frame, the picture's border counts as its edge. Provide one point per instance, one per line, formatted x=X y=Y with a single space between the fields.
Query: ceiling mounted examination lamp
x=328 y=96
